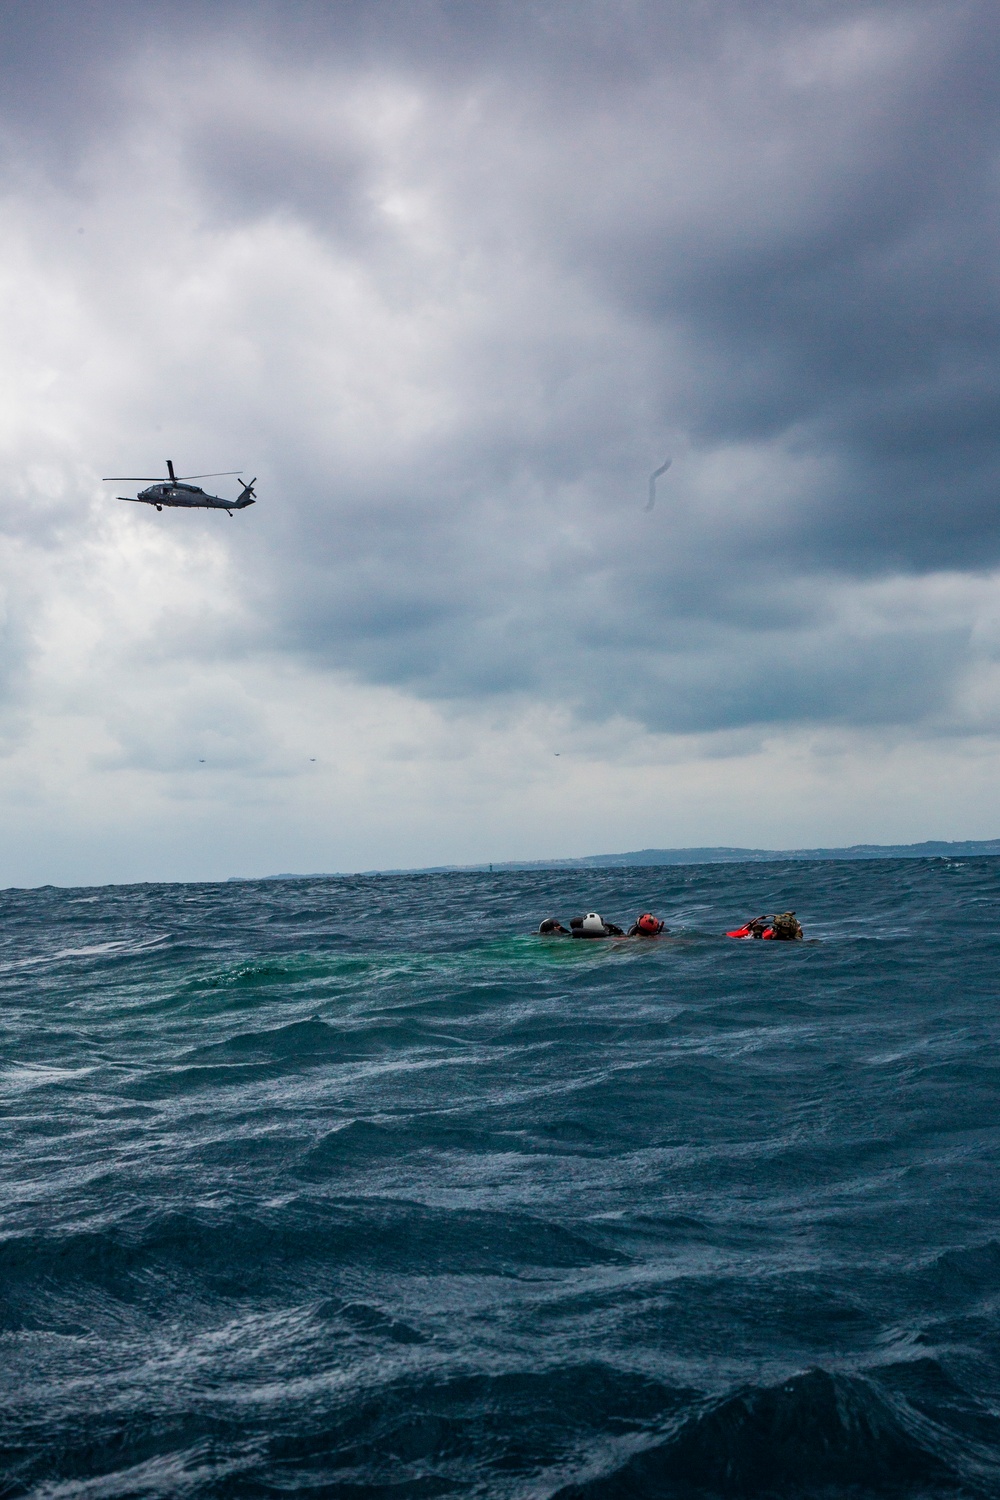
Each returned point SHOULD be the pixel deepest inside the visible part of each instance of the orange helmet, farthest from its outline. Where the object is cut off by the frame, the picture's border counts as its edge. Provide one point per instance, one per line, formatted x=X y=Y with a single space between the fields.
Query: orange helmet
x=648 y=924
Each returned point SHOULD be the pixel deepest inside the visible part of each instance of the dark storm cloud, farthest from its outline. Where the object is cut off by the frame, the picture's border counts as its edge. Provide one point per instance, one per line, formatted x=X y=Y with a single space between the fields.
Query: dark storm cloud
x=850 y=302
x=764 y=234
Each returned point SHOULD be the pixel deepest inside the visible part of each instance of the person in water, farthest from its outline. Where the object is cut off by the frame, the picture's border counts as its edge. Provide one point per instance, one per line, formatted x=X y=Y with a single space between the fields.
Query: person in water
x=593 y=925
x=646 y=926
x=783 y=928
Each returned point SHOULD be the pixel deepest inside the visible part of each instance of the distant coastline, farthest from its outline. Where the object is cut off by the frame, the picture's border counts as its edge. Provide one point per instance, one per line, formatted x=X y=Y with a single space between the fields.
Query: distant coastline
x=719 y=855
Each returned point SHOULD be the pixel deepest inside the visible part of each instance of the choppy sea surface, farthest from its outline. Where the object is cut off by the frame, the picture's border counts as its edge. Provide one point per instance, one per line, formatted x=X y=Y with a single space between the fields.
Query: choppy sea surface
x=352 y=1187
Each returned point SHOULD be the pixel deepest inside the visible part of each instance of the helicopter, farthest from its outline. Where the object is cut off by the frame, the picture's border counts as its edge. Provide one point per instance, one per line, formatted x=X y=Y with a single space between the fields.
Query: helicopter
x=176 y=492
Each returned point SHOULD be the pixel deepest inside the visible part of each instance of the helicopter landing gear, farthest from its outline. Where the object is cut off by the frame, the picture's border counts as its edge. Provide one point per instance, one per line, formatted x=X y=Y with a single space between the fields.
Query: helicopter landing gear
x=159 y=507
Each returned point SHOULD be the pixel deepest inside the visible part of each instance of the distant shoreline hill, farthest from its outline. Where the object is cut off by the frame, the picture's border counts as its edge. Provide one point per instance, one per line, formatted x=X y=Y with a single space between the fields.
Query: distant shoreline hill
x=721 y=855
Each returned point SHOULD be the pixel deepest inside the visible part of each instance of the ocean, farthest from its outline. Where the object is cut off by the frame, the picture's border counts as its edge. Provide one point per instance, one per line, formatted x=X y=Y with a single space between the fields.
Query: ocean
x=352 y=1187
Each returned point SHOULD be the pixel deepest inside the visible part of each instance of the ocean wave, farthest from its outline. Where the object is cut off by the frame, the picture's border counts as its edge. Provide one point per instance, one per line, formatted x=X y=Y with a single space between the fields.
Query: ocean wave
x=244 y=1254
x=815 y=1434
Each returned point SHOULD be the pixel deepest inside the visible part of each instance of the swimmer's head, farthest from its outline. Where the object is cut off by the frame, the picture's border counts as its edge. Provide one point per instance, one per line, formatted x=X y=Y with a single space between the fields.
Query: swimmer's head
x=648 y=925
x=593 y=922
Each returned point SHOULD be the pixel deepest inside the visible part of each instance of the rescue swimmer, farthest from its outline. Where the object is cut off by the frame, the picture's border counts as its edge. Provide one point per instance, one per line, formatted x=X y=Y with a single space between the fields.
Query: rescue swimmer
x=784 y=927
x=593 y=925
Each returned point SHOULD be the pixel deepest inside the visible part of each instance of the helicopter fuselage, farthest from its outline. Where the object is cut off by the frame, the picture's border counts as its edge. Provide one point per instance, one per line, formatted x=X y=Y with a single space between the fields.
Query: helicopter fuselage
x=183 y=495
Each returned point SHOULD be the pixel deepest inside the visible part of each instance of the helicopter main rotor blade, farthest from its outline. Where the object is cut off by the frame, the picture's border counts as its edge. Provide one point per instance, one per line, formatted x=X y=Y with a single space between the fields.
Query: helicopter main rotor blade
x=152 y=478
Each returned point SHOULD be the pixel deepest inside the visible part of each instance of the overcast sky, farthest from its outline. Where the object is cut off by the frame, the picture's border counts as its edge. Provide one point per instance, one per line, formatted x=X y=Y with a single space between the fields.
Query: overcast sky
x=452 y=279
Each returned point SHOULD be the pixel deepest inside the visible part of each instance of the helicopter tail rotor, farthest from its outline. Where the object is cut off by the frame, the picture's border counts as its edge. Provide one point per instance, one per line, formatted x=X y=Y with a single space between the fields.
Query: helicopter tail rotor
x=247 y=496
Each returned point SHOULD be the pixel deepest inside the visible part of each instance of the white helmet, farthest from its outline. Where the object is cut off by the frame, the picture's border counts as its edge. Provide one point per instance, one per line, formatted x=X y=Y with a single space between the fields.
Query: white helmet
x=593 y=922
